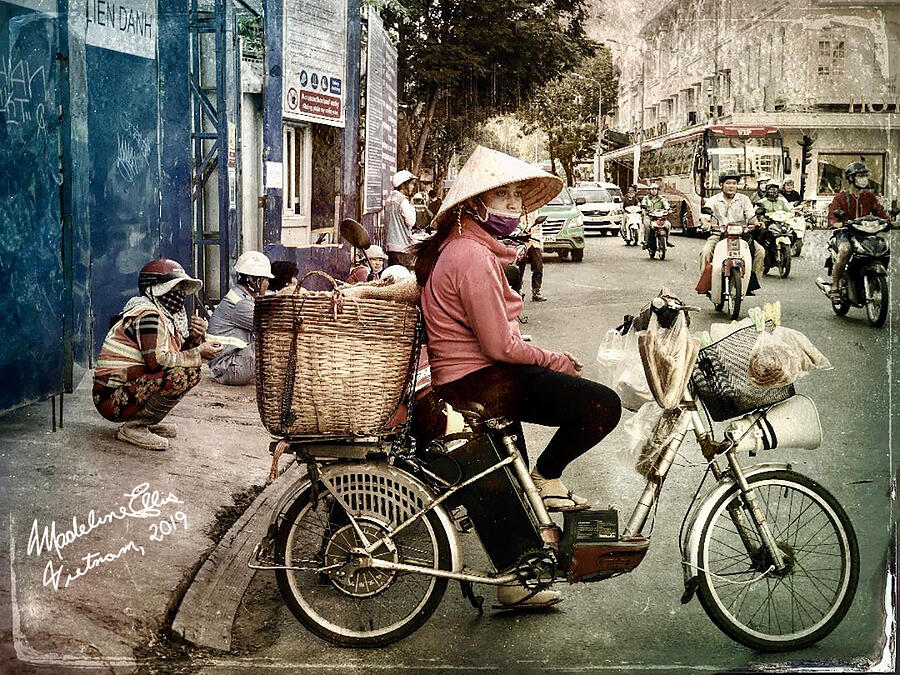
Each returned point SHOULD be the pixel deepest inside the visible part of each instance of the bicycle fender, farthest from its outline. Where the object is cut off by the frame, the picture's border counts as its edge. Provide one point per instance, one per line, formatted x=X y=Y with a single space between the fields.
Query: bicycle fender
x=328 y=472
x=698 y=516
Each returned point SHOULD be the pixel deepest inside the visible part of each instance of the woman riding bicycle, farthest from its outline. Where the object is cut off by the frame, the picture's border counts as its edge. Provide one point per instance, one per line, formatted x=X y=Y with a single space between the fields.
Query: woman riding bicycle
x=474 y=346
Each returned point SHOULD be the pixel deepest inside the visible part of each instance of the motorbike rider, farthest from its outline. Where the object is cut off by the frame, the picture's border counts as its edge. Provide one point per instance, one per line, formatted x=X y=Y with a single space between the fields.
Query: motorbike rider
x=790 y=193
x=761 y=183
x=475 y=349
x=855 y=202
x=730 y=206
x=652 y=202
x=774 y=200
x=631 y=199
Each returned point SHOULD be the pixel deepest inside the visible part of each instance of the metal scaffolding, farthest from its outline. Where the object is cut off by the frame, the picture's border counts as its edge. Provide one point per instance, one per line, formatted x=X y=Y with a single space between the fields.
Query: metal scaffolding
x=216 y=133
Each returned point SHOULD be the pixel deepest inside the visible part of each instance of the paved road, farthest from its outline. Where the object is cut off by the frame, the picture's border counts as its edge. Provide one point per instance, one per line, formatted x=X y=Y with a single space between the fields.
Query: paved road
x=637 y=621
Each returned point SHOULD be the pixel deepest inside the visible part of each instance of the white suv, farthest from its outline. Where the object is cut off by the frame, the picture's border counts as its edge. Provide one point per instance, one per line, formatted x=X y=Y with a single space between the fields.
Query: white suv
x=602 y=209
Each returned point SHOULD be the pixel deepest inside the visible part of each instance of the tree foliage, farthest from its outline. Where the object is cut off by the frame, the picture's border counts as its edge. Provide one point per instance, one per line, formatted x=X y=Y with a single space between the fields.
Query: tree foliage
x=462 y=61
x=565 y=108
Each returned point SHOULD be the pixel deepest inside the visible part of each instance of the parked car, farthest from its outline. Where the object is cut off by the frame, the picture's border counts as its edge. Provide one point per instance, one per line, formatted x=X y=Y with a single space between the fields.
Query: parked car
x=602 y=208
x=563 y=230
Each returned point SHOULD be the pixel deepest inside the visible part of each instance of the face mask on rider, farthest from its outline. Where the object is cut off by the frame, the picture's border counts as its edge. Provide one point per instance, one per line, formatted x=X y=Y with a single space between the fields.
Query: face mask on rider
x=497 y=222
x=862 y=182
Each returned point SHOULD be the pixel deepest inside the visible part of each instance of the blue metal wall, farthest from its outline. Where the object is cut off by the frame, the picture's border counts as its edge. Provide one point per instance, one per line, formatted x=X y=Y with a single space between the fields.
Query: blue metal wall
x=70 y=249
x=32 y=290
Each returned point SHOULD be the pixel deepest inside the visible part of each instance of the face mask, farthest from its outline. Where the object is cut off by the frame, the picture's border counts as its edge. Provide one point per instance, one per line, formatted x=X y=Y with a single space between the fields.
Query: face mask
x=173 y=300
x=861 y=182
x=499 y=223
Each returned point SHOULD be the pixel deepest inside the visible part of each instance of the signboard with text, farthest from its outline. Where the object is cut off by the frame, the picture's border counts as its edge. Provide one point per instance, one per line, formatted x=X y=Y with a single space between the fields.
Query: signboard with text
x=381 y=114
x=315 y=60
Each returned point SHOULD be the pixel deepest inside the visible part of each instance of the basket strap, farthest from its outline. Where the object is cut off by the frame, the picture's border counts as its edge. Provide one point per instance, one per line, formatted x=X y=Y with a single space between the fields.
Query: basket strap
x=288 y=416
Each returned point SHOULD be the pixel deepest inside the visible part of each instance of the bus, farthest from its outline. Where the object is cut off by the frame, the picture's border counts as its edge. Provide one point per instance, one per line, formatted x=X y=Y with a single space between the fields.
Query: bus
x=687 y=164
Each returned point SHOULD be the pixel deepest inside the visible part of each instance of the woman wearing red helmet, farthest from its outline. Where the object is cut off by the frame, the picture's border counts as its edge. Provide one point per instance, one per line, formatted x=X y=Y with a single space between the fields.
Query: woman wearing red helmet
x=151 y=357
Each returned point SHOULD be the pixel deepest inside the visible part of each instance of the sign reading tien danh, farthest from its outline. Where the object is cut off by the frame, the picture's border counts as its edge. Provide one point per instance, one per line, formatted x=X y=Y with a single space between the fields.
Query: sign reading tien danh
x=315 y=60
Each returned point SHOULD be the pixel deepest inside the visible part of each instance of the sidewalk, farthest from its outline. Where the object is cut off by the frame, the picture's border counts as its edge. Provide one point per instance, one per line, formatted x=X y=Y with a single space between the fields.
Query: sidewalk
x=110 y=581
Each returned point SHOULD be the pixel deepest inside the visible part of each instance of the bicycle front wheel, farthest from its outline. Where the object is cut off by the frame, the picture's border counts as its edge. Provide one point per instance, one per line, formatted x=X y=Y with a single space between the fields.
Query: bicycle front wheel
x=739 y=588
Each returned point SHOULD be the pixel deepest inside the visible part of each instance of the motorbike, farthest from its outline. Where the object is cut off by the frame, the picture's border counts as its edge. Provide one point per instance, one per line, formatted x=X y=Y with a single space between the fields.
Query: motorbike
x=777 y=239
x=631 y=229
x=731 y=264
x=658 y=240
x=800 y=222
x=364 y=546
x=864 y=282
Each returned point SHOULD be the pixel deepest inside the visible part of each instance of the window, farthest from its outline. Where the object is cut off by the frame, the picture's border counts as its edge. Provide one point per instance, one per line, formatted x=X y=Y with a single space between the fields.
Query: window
x=831 y=167
x=297 y=186
x=830 y=57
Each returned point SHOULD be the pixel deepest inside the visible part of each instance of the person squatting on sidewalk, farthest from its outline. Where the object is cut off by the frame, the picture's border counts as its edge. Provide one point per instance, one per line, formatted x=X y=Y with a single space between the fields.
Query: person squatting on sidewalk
x=231 y=324
x=151 y=356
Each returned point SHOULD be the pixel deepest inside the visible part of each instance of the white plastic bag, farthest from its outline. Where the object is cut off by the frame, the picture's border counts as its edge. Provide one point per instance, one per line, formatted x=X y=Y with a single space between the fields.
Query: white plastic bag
x=782 y=357
x=668 y=356
x=620 y=368
x=640 y=427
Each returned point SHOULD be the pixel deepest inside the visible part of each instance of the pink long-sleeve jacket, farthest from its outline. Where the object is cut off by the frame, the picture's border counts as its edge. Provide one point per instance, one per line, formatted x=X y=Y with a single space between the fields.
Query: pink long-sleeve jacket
x=470 y=310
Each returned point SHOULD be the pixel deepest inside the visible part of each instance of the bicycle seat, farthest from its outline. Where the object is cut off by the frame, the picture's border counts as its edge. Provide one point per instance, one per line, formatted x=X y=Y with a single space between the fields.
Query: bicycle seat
x=473 y=412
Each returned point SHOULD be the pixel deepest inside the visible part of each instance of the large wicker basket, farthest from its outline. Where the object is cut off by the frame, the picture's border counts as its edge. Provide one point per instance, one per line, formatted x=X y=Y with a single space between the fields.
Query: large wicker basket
x=328 y=365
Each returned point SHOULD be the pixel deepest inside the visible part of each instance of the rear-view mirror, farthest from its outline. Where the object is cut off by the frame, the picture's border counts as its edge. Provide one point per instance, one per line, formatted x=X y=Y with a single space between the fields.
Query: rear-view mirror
x=580 y=200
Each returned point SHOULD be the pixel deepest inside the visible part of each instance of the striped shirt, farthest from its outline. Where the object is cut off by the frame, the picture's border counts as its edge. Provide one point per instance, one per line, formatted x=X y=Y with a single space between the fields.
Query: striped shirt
x=140 y=343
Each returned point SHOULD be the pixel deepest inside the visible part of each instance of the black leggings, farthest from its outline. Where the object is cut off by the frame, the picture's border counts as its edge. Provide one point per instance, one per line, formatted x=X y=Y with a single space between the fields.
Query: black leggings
x=584 y=411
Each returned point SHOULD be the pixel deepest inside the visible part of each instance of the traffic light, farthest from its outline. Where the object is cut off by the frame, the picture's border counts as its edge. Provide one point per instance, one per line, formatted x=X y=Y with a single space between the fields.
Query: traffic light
x=806 y=156
x=805 y=144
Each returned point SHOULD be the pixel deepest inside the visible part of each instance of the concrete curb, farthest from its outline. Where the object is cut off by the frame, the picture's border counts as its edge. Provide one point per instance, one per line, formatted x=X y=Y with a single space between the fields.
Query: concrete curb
x=206 y=613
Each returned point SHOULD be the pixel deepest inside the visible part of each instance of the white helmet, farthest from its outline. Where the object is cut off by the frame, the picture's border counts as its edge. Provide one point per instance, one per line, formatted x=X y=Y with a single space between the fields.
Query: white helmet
x=402 y=177
x=254 y=264
x=375 y=252
x=765 y=178
x=654 y=186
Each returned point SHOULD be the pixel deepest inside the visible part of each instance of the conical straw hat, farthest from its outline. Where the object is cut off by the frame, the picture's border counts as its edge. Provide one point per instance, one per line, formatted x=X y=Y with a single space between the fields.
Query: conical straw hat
x=487 y=169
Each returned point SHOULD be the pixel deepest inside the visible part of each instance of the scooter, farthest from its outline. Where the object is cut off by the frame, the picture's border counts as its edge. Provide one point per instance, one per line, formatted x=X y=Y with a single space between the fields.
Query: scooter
x=777 y=239
x=364 y=546
x=631 y=229
x=864 y=282
x=800 y=222
x=731 y=264
x=658 y=240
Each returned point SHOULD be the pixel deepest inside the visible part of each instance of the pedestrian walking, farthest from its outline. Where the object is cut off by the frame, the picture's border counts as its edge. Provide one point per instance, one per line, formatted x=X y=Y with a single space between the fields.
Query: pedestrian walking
x=231 y=324
x=151 y=356
x=532 y=255
x=400 y=219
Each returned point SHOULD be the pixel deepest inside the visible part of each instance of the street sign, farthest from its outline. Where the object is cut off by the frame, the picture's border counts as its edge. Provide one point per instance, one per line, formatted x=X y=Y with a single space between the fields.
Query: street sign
x=315 y=60
x=381 y=114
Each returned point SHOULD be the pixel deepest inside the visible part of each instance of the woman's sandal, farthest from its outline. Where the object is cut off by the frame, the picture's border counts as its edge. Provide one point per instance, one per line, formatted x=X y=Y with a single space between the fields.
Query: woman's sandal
x=556 y=496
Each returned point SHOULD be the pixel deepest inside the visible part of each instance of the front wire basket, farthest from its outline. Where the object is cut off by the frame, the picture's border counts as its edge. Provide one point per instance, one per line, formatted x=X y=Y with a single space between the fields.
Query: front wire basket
x=720 y=377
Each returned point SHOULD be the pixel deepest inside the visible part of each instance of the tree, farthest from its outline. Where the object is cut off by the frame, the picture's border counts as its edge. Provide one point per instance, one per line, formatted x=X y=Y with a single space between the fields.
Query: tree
x=566 y=109
x=462 y=61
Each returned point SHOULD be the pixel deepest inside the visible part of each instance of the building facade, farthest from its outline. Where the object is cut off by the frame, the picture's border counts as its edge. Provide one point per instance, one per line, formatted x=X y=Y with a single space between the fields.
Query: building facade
x=826 y=69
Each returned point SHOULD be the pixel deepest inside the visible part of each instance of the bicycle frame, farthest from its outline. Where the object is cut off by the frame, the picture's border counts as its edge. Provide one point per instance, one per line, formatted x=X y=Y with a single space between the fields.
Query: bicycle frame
x=689 y=420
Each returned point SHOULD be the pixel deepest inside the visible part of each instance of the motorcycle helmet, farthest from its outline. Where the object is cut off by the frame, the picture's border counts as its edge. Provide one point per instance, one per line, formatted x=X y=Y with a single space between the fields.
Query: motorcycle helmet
x=729 y=175
x=853 y=169
x=654 y=186
x=773 y=184
x=765 y=178
x=163 y=275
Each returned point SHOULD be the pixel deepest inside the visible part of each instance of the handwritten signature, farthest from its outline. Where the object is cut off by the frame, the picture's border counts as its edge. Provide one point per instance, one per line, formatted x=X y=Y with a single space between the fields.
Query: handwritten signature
x=142 y=503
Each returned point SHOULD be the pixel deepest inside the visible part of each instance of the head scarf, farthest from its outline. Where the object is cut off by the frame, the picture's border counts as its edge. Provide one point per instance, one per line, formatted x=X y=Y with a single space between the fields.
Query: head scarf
x=171 y=306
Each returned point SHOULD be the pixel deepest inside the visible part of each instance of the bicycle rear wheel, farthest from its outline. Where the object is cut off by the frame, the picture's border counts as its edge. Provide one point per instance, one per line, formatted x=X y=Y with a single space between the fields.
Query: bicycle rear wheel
x=757 y=606
x=338 y=599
